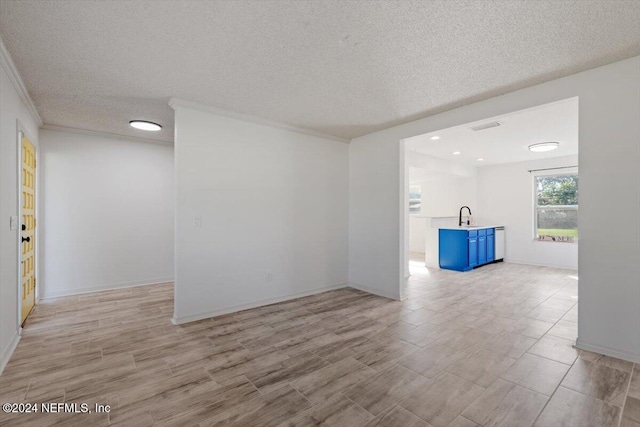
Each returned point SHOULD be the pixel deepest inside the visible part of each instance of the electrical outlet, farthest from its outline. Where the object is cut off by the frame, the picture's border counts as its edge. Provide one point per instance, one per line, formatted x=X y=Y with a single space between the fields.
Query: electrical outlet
x=269 y=277
x=197 y=221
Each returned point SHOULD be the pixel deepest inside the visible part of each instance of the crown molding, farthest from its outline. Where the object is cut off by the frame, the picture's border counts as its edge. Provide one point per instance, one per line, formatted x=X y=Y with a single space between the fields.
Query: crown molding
x=178 y=102
x=105 y=135
x=16 y=80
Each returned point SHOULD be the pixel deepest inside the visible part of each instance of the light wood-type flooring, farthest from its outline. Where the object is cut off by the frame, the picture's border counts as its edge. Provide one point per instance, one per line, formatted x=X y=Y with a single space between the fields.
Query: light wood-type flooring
x=491 y=347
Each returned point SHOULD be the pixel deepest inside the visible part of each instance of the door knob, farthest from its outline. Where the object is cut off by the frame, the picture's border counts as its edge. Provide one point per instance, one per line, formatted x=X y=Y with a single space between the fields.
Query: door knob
x=26 y=239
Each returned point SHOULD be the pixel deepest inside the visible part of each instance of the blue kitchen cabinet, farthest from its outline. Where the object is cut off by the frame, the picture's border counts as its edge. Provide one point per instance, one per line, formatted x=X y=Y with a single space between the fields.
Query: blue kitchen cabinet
x=463 y=250
x=482 y=247
x=454 y=249
x=472 y=242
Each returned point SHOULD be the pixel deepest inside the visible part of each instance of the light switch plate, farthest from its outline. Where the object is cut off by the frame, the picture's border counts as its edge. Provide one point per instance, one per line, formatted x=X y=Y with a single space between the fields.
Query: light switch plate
x=197 y=221
x=13 y=223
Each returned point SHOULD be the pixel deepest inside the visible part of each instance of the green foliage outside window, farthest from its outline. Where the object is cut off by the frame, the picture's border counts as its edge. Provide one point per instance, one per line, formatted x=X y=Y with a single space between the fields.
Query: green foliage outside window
x=557 y=207
x=557 y=190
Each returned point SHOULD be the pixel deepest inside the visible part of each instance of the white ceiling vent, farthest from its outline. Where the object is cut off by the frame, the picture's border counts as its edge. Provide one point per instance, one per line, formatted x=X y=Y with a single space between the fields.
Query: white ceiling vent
x=485 y=126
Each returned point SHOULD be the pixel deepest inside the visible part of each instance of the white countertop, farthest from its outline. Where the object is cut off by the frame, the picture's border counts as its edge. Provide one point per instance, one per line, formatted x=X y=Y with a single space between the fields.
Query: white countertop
x=470 y=227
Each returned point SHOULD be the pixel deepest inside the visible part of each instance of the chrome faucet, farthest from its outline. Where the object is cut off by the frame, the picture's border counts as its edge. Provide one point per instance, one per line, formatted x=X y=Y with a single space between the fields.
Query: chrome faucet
x=460 y=216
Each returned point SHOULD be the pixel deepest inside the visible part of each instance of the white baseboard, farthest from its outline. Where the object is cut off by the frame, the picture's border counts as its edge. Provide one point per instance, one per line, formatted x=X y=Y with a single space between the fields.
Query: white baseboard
x=635 y=358
x=107 y=287
x=373 y=291
x=8 y=352
x=206 y=315
x=515 y=261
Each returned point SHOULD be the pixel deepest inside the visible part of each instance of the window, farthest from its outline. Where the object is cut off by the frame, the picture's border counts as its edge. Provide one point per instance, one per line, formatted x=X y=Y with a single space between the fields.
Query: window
x=415 y=199
x=556 y=215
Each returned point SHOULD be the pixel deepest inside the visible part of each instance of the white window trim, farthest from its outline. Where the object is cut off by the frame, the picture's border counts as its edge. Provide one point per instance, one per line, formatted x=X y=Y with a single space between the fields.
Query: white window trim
x=565 y=171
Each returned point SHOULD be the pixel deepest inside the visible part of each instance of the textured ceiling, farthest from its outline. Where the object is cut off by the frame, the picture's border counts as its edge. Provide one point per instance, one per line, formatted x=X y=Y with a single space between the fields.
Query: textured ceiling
x=509 y=142
x=344 y=68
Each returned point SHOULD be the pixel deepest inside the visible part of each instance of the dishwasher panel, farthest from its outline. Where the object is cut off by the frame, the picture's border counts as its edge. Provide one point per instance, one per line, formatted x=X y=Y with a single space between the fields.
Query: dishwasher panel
x=499 y=243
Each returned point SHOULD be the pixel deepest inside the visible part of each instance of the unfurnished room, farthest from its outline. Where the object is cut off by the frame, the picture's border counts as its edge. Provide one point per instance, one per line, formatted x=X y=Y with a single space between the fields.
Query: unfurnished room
x=320 y=213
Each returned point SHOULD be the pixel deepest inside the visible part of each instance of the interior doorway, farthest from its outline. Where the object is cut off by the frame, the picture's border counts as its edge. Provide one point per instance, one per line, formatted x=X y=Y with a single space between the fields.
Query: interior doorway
x=517 y=173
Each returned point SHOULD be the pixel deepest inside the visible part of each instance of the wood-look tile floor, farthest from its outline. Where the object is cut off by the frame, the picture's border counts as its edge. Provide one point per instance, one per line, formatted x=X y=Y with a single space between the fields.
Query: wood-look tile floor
x=491 y=347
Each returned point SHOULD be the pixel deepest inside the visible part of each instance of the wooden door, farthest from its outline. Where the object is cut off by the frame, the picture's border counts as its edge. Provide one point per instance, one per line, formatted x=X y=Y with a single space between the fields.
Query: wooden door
x=28 y=229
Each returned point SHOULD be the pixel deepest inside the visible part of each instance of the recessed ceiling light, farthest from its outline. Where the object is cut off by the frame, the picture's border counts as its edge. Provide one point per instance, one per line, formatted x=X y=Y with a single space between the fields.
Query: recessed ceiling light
x=481 y=159
x=145 y=125
x=455 y=153
x=543 y=146
x=435 y=137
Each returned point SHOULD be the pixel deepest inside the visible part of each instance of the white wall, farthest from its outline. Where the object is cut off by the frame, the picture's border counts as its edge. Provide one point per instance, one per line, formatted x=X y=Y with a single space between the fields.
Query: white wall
x=417 y=230
x=273 y=204
x=14 y=113
x=506 y=197
x=378 y=181
x=446 y=186
x=444 y=194
x=609 y=258
x=107 y=213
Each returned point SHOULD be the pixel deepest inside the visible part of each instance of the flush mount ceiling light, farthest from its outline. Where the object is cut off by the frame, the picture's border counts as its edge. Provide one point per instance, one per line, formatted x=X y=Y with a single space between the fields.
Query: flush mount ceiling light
x=435 y=137
x=543 y=146
x=145 y=125
x=455 y=153
x=481 y=159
